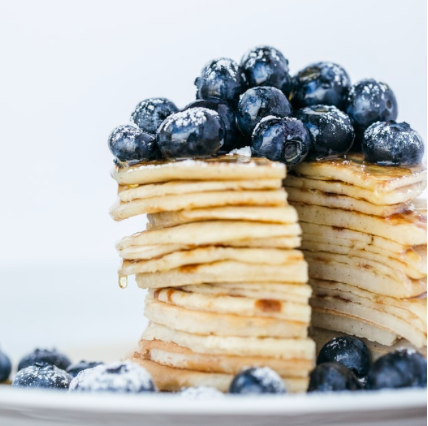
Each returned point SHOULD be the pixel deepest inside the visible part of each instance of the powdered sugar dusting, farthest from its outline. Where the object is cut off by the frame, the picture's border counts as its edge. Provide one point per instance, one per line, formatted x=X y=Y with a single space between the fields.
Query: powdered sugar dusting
x=192 y=116
x=372 y=93
x=220 y=66
x=268 y=377
x=245 y=151
x=201 y=392
x=258 y=54
x=33 y=375
x=116 y=377
x=408 y=351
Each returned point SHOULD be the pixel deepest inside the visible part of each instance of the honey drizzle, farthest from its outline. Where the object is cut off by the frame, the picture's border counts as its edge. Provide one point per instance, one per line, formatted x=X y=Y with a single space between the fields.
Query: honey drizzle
x=123 y=281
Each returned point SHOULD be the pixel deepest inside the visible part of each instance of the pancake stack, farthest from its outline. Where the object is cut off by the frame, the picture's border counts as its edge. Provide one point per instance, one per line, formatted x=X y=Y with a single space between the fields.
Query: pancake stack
x=226 y=287
x=364 y=237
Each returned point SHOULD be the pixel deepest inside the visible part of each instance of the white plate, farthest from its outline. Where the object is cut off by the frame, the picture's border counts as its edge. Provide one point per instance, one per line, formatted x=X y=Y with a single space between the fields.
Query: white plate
x=20 y=407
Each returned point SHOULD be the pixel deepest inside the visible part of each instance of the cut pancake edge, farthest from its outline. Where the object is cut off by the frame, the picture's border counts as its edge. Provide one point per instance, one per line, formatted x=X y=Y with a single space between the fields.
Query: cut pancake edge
x=174 y=379
x=177 y=356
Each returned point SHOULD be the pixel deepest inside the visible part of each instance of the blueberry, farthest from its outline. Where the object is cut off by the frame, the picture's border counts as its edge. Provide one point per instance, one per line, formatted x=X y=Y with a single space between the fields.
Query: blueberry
x=75 y=369
x=232 y=137
x=398 y=369
x=281 y=139
x=122 y=377
x=321 y=83
x=52 y=357
x=221 y=79
x=196 y=132
x=256 y=381
x=266 y=66
x=392 y=143
x=128 y=143
x=367 y=102
x=331 y=130
x=332 y=376
x=149 y=114
x=5 y=367
x=349 y=351
x=42 y=375
x=259 y=102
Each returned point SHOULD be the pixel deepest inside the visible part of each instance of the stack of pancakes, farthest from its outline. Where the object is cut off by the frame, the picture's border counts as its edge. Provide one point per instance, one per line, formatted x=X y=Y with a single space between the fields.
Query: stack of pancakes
x=226 y=287
x=364 y=237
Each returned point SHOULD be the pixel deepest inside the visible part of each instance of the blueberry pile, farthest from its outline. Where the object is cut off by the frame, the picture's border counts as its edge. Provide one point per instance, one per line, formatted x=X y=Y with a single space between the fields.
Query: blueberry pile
x=314 y=115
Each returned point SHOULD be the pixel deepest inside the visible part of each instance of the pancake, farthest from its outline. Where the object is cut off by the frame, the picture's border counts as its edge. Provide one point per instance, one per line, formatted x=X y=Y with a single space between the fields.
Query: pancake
x=337 y=201
x=234 y=305
x=400 y=195
x=237 y=346
x=298 y=293
x=408 y=228
x=172 y=355
x=366 y=277
x=285 y=214
x=383 y=258
x=153 y=251
x=229 y=271
x=228 y=168
x=210 y=232
x=352 y=326
x=207 y=323
x=134 y=192
x=211 y=254
x=377 y=317
x=414 y=257
x=121 y=211
x=354 y=171
x=175 y=379
x=416 y=306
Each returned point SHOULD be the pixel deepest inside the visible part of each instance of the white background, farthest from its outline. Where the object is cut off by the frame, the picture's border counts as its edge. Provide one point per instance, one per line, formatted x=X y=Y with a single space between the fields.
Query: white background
x=70 y=71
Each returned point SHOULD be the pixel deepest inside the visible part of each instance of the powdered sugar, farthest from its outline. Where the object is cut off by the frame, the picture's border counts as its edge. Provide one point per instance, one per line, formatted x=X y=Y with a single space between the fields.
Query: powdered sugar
x=268 y=377
x=190 y=117
x=258 y=54
x=244 y=152
x=221 y=65
x=116 y=377
x=201 y=392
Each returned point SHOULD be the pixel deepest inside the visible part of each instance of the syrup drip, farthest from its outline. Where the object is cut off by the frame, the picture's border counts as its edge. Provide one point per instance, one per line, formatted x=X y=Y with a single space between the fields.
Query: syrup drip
x=123 y=281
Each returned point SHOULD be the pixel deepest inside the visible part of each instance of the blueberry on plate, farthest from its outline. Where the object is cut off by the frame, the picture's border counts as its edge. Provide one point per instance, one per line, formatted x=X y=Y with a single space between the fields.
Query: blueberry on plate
x=266 y=66
x=257 y=380
x=332 y=376
x=331 y=130
x=232 y=137
x=391 y=143
x=221 y=79
x=323 y=83
x=121 y=377
x=281 y=139
x=194 y=133
x=75 y=369
x=42 y=375
x=149 y=114
x=398 y=369
x=201 y=392
x=5 y=367
x=52 y=357
x=259 y=102
x=349 y=351
x=369 y=101
x=129 y=144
